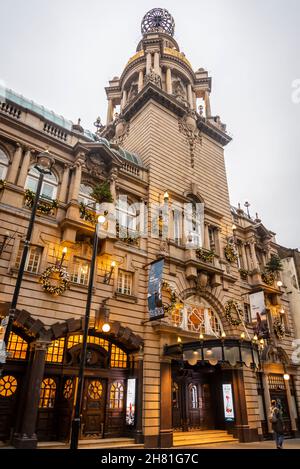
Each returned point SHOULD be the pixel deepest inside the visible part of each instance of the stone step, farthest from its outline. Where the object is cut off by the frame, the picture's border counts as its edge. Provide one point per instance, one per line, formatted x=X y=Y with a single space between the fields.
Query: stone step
x=203 y=437
x=93 y=443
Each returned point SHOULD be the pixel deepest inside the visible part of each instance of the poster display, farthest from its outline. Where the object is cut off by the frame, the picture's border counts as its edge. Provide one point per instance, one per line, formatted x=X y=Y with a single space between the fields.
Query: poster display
x=130 y=401
x=228 y=402
x=259 y=314
x=155 y=305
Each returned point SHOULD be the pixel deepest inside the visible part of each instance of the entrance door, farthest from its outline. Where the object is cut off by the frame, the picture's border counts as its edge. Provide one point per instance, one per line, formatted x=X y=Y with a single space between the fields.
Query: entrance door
x=93 y=408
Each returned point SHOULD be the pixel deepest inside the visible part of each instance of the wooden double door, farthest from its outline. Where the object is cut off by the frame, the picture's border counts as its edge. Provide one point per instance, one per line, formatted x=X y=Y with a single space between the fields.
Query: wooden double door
x=93 y=408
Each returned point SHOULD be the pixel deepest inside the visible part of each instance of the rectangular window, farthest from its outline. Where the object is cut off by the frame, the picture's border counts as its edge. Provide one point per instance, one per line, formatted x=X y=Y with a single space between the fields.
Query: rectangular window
x=80 y=271
x=33 y=258
x=247 y=314
x=211 y=237
x=177 y=226
x=3 y=170
x=124 y=282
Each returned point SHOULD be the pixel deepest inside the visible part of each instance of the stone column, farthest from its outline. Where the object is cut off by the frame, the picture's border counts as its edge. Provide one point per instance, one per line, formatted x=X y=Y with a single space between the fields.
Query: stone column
x=218 y=242
x=27 y=438
x=64 y=184
x=241 y=428
x=148 y=62
x=110 y=111
x=207 y=104
x=76 y=181
x=124 y=99
x=13 y=169
x=156 y=63
x=244 y=257
x=267 y=400
x=112 y=183
x=139 y=398
x=290 y=405
x=141 y=80
x=166 y=431
x=253 y=255
x=194 y=101
x=206 y=236
x=190 y=95
x=24 y=169
x=169 y=80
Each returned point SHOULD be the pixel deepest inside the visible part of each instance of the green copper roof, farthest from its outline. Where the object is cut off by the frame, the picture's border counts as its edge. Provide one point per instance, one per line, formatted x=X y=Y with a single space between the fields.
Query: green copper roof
x=19 y=100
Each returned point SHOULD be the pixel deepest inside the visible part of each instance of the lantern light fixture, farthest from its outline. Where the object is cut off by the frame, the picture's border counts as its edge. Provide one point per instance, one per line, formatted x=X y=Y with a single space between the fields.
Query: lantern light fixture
x=286 y=376
x=108 y=275
x=279 y=283
x=242 y=335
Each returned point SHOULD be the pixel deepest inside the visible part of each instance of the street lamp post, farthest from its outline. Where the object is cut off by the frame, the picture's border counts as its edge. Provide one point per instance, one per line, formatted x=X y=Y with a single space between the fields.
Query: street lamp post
x=75 y=428
x=44 y=165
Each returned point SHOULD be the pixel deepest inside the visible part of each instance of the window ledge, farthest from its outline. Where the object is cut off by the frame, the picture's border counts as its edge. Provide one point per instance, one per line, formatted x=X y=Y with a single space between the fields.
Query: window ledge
x=127 y=298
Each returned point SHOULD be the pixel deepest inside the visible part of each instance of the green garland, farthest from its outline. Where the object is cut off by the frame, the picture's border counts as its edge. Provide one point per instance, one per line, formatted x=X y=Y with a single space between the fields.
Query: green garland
x=268 y=278
x=205 y=255
x=230 y=253
x=244 y=273
x=167 y=287
x=231 y=307
x=2 y=184
x=278 y=329
x=124 y=235
x=44 y=207
x=64 y=280
x=87 y=214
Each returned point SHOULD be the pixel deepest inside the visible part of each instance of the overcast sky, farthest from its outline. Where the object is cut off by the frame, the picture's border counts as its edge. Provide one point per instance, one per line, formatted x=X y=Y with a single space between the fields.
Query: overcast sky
x=61 y=53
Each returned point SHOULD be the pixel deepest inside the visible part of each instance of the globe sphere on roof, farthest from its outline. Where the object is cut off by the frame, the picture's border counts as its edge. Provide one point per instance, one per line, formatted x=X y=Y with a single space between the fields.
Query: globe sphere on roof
x=158 y=20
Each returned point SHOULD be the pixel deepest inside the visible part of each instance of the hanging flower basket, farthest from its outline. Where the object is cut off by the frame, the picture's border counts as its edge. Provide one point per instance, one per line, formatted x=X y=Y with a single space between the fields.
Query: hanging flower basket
x=268 y=278
x=230 y=253
x=278 y=329
x=44 y=206
x=205 y=255
x=55 y=280
x=233 y=307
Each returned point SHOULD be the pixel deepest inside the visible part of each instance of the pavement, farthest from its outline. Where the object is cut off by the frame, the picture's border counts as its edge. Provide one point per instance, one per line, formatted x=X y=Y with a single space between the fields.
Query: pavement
x=290 y=443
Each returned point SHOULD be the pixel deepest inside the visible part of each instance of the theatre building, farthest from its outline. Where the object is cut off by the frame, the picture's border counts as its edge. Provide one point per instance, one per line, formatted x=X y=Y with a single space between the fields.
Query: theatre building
x=208 y=369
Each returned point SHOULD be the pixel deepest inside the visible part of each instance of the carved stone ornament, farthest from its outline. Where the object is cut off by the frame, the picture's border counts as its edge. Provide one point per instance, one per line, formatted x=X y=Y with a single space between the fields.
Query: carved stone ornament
x=188 y=127
x=153 y=77
x=95 y=165
x=121 y=131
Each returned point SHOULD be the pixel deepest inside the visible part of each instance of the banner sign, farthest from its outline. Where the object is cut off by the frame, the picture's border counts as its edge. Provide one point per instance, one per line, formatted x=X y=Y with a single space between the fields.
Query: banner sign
x=130 y=401
x=155 y=305
x=259 y=314
x=228 y=402
x=3 y=352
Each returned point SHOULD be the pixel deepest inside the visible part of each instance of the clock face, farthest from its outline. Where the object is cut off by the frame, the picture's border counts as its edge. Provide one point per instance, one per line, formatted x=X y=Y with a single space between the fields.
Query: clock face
x=158 y=20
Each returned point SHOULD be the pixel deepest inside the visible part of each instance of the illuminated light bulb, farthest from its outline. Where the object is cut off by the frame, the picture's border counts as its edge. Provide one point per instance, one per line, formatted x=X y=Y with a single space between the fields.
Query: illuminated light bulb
x=209 y=351
x=166 y=195
x=255 y=337
x=179 y=340
x=113 y=264
x=101 y=219
x=286 y=376
x=279 y=283
x=223 y=334
x=106 y=327
x=262 y=341
x=242 y=335
x=195 y=352
x=201 y=336
x=65 y=250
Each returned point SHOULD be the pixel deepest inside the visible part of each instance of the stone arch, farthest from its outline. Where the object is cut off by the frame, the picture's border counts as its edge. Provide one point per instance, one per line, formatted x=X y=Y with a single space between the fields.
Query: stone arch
x=210 y=298
x=273 y=353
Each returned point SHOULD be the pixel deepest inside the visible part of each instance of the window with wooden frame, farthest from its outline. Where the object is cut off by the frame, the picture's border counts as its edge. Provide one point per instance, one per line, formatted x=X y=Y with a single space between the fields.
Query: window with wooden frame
x=80 y=271
x=17 y=347
x=49 y=185
x=118 y=358
x=47 y=393
x=55 y=351
x=33 y=259
x=84 y=196
x=125 y=281
x=116 y=398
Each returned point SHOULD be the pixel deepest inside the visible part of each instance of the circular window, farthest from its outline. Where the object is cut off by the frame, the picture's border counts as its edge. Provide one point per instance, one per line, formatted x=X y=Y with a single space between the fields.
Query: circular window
x=95 y=389
x=8 y=386
x=68 y=389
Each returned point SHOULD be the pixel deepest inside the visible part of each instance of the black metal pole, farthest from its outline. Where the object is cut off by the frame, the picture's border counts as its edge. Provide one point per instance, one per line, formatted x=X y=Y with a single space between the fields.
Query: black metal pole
x=11 y=313
x=75 y=430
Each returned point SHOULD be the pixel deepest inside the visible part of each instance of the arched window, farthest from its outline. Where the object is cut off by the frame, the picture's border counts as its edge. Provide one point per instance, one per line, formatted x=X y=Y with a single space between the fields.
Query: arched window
x=197 y=315
x=194 y=396
x=47 y=393
x=126 y=214
x=116 y=400
x=49 y=186
x=3 y=164
x=84 y=196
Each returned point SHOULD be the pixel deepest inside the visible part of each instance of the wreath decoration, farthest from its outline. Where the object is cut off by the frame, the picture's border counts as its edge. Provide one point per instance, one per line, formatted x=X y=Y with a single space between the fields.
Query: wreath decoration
x=63 y=280
x=230 y=253
x=230 y=308
x=278 y=329
x=268 y=278
x=173 y=297
x=205 y=255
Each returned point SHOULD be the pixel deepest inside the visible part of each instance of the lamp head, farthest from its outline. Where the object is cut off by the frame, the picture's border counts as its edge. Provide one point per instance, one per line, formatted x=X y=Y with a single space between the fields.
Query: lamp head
x=106 y=327
x=101 y=219
x=44 y=162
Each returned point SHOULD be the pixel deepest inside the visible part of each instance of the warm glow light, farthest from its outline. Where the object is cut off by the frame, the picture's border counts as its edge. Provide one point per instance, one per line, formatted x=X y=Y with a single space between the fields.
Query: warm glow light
x=113 y=264
x=106 y=327
x=179 y=339
x=262 y=341
x=166 y=195
x=282 y=311
x=223 y=334
x=279 y=283
x=286 y=376
x=209 y=351
x=65 y=250
x=242 y=335
x=101 y=219
x=233 y=227
x=201 y=336
x=255 y=337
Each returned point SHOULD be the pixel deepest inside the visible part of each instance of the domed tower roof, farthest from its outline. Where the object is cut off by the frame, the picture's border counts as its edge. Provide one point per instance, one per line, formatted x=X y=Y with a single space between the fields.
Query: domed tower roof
x=158 y=20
